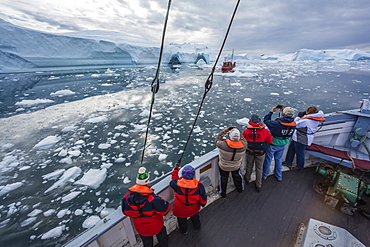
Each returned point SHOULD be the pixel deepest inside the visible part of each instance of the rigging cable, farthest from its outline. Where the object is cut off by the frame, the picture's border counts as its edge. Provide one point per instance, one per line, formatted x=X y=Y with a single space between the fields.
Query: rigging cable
x=209 y=82
x=155 y=82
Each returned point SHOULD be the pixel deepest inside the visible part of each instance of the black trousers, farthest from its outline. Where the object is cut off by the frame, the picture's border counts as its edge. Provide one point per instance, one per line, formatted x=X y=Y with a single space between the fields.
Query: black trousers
x=183 y=223
x=237 y=177
x=161 y=236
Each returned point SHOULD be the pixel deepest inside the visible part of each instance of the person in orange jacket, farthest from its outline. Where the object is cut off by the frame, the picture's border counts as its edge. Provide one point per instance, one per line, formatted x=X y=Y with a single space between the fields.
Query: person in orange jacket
x=258 y=138
x=146 y=210
x=190 y=195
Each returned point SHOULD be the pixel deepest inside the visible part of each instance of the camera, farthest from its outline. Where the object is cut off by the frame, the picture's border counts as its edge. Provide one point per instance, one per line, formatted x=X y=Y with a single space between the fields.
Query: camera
x=301 y=114
x=279 y=106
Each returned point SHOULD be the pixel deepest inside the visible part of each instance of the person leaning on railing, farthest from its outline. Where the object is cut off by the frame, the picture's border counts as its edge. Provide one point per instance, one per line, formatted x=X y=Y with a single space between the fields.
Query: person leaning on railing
x=146 y=210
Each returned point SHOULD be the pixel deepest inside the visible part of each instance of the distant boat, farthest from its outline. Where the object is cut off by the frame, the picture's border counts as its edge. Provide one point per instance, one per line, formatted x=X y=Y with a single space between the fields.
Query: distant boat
x=228 y=66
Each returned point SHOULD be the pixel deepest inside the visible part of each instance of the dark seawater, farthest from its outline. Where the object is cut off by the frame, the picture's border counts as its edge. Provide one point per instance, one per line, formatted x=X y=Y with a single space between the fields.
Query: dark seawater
x=255 y=88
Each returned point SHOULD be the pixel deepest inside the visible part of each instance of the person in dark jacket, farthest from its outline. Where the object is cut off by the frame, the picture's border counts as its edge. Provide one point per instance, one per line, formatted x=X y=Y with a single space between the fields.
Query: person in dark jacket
x=231 y=151
x=258 y=138
x=146 y=210
x=189 y=196
x=281 y=130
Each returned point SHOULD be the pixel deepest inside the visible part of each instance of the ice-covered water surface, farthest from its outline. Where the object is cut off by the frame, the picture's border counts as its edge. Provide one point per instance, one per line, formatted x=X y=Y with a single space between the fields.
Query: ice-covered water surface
x=65 y=166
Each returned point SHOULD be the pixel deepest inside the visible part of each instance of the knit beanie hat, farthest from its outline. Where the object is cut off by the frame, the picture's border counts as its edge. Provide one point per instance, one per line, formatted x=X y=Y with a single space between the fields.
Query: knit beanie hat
x=188 y=172
x=142 y=177
x=288 y=112
x=255 y=118
x=234 y=134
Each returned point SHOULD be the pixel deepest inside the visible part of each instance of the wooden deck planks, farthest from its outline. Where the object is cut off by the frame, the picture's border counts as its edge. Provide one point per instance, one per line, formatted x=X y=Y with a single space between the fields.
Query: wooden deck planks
x=269 y=218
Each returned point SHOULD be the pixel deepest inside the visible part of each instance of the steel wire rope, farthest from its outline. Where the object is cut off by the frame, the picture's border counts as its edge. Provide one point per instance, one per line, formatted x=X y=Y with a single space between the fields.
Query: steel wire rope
x=155 y=82
x=209 y=82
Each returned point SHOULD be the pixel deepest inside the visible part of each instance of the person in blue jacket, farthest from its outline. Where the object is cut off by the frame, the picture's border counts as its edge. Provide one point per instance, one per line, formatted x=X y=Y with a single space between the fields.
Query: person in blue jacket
x=281 y=130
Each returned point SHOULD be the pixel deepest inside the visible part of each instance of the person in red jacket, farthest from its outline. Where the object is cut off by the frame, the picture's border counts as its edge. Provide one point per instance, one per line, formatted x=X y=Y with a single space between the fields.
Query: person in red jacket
x=258 y=137
x=189 y=196
x=146 y=210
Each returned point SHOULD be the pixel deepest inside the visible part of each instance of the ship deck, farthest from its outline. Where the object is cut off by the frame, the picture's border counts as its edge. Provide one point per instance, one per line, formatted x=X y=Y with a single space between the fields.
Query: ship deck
x=270 y=217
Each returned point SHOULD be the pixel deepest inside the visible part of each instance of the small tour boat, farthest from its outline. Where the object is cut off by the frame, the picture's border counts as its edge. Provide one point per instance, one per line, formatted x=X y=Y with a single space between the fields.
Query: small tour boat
x=228 y=66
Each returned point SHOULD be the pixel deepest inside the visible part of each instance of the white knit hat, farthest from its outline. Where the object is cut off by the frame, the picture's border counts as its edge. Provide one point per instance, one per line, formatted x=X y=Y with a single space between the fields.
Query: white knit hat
x=288 y=112
x=142 y=177
x=234 y=134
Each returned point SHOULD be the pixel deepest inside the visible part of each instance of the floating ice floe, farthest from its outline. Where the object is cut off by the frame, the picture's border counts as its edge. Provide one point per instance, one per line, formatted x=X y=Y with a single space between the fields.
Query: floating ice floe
x=47 y=142
x=35 y=212
x=69 y=128
x=275 y=94
x=247 y=99
x=99 y=119
x=9 y=187
x=91 y=221
x=104 y=146
x=120 y=160
x=28 y=221
x=30 y=103
x=74 y=153
x=144 y=113
x=49 y=212
x=139 y=127
x=62 y=93
x=9 y=162
x=93 y=178
x=128 y=106
x=162 y=157
x=54 y=233
x=106 y=211
x=126 y=180
x=7 y=146
x=67 y=176
x=70 y=196
x=63 y=212
x=243 y=121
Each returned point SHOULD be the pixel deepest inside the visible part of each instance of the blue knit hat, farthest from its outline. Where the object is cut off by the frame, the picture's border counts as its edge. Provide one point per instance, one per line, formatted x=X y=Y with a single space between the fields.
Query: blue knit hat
x=188 y=172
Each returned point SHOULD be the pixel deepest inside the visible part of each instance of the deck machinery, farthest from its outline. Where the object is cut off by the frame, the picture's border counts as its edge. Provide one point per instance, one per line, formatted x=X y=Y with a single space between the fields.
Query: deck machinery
x=343 y=189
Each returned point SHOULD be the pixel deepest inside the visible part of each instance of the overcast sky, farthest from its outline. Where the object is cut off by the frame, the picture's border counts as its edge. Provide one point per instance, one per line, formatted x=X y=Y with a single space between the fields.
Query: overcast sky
x=260 y=27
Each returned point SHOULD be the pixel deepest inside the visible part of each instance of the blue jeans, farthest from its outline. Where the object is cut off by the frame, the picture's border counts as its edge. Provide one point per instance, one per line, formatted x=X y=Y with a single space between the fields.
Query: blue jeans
x=296 y=148
x=275 y=152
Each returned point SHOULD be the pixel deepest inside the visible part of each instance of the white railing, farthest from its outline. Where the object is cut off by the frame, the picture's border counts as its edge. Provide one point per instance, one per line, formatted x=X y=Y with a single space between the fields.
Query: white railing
x=118 y=230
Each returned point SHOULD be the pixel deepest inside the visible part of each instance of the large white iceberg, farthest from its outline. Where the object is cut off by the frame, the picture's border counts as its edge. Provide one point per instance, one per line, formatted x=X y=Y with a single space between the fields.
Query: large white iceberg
x=22 y=49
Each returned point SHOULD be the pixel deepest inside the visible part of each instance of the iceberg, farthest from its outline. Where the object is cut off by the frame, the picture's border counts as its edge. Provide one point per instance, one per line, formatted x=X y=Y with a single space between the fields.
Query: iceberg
x=23 y=49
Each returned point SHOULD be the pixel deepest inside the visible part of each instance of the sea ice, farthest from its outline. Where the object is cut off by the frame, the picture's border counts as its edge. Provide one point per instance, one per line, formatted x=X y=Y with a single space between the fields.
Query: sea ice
x=47 y=142
x=91 y=221
x=99 y=119
x=30 y=103
x=62 y=93
x=93 y=178
x=9 y=187
x=63 y=212
x=67 y=176
x=7 y=146
x=104 y=146
x=243 y=121
x=54 y=233
x=162 y=157
x=70 y=196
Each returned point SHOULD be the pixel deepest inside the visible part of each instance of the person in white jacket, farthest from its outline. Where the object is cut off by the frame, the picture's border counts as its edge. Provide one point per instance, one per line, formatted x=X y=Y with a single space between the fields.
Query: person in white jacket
x=307 y=124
